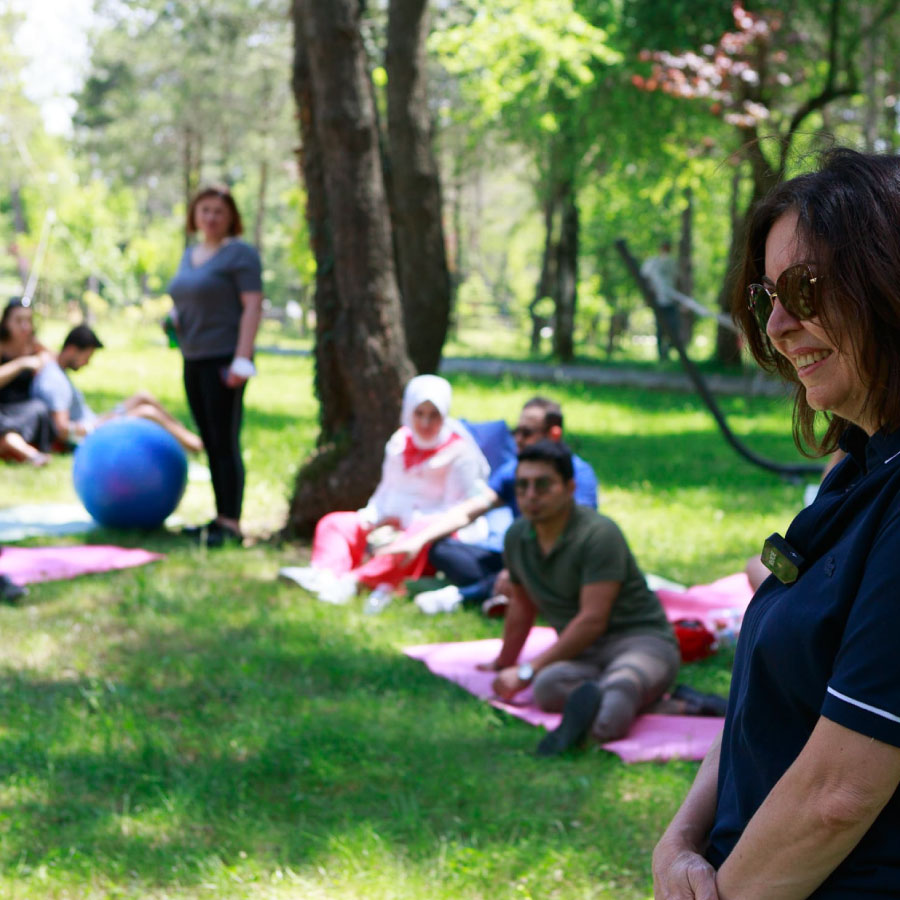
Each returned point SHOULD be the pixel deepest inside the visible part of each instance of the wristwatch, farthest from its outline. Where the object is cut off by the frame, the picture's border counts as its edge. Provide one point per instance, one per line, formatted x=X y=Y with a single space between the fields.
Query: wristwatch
x=525 y=672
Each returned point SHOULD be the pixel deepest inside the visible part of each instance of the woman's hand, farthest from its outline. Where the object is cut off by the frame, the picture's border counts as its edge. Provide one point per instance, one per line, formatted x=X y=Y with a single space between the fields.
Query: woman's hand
x=406 y=548
x=390 y=521
x=680 y=873
x=233 y=381
x=240 y=370
x=33 y=361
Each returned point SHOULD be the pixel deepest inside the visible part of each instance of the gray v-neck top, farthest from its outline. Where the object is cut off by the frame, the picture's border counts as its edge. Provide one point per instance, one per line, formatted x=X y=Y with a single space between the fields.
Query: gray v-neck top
x=208 y=299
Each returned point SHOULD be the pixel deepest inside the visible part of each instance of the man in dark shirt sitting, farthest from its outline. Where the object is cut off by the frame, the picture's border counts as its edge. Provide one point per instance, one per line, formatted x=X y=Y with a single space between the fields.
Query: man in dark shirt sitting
x=616 y=653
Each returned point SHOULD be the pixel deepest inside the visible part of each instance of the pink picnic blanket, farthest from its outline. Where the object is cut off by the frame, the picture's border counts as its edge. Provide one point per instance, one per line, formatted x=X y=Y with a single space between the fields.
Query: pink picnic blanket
x=723 y=601
x=25 y=565
x=652 y=737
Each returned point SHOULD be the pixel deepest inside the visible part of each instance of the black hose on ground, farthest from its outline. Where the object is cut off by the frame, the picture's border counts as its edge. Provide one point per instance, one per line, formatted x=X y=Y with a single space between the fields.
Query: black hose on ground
x=788 y=470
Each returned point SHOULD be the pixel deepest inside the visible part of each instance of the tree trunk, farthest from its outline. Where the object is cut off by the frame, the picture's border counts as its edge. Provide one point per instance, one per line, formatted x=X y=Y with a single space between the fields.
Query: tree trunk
x=190 y=163
x=728 y=351
x=547 y=279
x=20 y=227
x=684 y=280
x=566 y=294
x=415 y=188
x=361 y=360
x=261 y=204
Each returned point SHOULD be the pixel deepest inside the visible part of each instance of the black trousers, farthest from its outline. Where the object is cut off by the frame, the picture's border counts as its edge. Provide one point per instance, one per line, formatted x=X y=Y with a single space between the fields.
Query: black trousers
x=472 y=568
x=218 y=411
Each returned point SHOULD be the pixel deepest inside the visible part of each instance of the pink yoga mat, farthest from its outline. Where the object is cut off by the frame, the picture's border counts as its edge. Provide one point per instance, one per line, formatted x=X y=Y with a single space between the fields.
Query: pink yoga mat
x=25 y=565
x=726 y=599
x=652 y=737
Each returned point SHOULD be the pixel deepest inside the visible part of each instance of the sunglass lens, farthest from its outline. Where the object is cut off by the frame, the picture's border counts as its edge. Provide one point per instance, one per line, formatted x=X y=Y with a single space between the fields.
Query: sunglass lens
x=761 y=303
x=797 y=292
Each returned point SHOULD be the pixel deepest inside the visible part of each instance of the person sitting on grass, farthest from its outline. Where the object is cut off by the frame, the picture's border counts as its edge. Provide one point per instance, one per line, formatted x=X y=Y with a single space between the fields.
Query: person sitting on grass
x=616 y=653
x=26 y=431
x=475 y=571
x=430 y=464
x=73 y=418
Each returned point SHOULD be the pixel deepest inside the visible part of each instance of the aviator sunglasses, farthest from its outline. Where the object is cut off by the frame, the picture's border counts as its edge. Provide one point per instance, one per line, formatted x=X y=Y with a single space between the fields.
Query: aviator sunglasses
x=795 y=290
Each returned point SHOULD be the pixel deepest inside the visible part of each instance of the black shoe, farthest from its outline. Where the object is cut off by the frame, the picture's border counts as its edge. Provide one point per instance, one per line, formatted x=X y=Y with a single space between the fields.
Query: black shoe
x=578 y=717
x=220 y=535
x=697 y=703
x=10 y=592
x=213 y=535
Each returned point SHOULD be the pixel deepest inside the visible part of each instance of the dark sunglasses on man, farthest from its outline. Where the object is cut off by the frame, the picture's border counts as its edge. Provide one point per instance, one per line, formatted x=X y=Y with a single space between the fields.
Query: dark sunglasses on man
x=796 y=290
x=541 y=484
x=524 y=432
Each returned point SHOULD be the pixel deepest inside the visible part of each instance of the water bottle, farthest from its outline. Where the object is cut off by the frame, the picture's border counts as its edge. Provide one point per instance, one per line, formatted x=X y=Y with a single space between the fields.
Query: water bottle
x=378 y=600
x=171 y=330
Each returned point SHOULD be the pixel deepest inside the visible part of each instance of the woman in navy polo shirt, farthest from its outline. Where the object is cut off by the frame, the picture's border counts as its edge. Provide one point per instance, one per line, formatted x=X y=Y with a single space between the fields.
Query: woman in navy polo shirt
x=799 y=798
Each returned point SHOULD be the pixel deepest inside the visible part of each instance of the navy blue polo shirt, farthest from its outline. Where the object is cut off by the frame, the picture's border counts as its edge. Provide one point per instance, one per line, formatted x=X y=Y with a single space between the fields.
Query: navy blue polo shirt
x=826 y=645
x=503 y=483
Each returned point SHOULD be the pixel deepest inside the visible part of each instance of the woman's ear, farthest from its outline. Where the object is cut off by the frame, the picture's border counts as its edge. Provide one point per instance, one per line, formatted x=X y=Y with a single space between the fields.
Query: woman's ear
x=554 y=432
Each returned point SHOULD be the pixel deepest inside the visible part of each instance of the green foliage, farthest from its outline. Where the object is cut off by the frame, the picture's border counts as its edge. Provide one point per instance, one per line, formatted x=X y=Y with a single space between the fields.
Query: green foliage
x=676 y=25
x=532 y=68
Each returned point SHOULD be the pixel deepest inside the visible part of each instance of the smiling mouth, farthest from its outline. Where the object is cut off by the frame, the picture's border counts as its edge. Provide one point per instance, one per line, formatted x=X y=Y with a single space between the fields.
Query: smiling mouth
x=807 y=359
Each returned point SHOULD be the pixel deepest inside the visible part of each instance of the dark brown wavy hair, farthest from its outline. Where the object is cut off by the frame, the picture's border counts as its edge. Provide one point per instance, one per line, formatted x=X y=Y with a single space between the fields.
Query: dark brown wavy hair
x=13 y=303
x=848 y=219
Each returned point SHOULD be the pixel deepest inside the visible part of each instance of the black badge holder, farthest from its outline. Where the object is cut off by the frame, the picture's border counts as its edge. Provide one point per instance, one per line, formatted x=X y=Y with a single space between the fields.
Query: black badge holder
x=781 y=559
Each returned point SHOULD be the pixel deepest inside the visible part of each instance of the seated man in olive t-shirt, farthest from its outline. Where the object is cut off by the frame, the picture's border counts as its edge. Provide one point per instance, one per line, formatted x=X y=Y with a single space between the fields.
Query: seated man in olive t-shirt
x=616 y=653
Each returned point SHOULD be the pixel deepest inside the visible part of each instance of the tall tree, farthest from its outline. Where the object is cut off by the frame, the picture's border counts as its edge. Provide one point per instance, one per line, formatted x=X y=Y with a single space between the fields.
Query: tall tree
x=769 y=81
x=179 y=92
x=415 y=187
x=535 y=69
x=361 y=358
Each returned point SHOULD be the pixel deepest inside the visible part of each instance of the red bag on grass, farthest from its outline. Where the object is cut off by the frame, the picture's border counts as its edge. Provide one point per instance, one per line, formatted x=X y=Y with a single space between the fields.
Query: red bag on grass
x=695 y=639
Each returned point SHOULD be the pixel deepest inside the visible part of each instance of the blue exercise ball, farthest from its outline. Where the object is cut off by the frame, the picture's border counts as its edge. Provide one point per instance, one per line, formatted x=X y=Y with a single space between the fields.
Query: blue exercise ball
x=130 y=473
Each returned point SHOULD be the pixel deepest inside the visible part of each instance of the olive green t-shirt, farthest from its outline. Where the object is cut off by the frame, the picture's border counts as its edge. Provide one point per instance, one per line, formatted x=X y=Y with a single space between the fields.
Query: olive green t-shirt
x=590 y=549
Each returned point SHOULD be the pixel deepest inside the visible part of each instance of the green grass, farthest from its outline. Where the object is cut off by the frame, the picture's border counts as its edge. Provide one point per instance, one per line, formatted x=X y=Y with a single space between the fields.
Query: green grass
x=195 y=728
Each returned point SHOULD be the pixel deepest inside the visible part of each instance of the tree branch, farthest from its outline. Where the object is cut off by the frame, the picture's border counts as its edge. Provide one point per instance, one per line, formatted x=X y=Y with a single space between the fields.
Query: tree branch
x=830 y=91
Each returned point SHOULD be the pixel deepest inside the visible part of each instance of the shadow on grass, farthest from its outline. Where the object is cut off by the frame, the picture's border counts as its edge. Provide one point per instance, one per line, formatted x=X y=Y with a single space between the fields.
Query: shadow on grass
x=283 y=740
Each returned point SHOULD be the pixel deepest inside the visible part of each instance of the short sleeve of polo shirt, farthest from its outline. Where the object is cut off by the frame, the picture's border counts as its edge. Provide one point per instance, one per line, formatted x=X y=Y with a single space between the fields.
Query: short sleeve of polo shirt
x=247 y=271
x=604 y=552
x=862 y=693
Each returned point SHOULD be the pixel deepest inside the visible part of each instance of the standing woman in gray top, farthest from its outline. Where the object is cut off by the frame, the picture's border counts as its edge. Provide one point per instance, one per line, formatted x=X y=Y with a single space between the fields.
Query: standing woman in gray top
x=218 y=304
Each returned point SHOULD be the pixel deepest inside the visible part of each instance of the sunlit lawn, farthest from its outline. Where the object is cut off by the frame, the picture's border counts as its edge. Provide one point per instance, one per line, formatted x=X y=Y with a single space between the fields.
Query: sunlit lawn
x=195 y=728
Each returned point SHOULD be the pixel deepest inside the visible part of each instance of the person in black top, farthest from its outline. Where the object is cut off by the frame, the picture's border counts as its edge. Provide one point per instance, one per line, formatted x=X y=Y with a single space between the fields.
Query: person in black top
x=799 y=798
x=26 y=431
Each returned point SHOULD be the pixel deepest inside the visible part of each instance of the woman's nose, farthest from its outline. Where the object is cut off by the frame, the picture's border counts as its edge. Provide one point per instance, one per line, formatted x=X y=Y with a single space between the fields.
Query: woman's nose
x=780 y=321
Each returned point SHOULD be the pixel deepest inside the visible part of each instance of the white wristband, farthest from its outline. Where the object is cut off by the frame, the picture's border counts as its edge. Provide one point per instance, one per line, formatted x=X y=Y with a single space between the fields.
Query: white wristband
x=242 y=367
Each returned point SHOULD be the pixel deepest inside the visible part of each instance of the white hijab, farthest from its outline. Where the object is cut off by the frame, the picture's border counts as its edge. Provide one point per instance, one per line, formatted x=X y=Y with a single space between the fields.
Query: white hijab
x=424 y=389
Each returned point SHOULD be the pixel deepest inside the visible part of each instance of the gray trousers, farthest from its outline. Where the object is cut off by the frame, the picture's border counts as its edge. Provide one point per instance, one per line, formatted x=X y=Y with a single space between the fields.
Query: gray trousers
x=633 y=671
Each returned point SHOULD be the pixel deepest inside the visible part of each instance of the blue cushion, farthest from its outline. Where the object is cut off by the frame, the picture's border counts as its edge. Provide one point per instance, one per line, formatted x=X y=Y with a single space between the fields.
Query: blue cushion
x=494 y=439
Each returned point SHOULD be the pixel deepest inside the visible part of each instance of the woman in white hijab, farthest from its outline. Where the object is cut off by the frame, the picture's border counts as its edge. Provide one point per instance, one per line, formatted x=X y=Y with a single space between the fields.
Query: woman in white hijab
x=431 y=463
